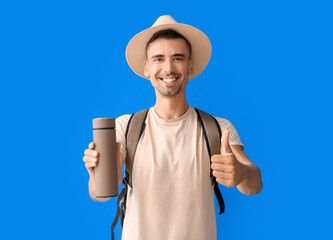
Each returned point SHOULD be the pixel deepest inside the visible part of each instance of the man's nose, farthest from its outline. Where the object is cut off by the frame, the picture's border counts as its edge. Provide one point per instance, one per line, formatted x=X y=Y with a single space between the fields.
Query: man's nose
x=168 y=66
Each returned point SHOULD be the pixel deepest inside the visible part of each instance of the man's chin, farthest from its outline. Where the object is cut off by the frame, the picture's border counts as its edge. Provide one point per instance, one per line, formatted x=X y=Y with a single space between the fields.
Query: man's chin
x=169 y=93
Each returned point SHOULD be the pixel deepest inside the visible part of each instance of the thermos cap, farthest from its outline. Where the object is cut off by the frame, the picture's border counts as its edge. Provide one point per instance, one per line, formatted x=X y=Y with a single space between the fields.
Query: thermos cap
x=104 y=123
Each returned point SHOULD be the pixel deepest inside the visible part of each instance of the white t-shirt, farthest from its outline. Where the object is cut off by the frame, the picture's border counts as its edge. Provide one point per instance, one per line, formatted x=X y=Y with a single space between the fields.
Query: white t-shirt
x=172 y=196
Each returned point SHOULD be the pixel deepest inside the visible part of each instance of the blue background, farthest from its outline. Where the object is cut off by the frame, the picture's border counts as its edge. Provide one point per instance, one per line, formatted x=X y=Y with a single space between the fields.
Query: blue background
x=62 y=63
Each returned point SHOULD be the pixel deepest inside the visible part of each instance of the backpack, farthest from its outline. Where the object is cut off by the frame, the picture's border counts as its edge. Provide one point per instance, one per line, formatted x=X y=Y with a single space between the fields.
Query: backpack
x=135 y=127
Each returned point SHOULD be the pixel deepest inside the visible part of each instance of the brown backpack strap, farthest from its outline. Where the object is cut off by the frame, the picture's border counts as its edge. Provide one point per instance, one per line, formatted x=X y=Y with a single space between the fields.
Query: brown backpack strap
x=135 y=128
x=213 y=143
x=213 y=136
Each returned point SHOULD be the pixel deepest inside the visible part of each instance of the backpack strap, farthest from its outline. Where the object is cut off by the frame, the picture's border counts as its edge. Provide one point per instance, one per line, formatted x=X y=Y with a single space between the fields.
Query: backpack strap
x=209 y=125
x=135 y=127
x=213 y=143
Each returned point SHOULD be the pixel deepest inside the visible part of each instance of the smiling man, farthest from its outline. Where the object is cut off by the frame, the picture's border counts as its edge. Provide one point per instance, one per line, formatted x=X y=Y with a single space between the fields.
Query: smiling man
x=170 y=193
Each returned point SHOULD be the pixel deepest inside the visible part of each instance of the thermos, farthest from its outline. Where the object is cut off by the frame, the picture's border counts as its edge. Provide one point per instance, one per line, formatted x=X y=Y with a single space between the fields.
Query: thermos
x=106 y=178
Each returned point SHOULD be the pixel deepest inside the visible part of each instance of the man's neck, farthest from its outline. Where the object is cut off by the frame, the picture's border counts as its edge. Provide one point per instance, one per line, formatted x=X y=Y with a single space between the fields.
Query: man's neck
x=171 y=108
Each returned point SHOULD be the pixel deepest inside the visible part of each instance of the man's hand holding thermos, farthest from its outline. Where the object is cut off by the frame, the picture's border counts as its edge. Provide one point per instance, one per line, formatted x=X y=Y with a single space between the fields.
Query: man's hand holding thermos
x=103 y=161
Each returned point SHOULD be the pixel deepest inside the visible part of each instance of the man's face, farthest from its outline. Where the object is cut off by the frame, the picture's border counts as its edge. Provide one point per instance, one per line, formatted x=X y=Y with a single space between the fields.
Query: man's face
x=168 y=66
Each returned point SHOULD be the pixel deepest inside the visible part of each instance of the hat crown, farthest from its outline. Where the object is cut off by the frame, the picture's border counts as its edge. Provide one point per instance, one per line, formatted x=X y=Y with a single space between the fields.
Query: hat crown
x=166 y=19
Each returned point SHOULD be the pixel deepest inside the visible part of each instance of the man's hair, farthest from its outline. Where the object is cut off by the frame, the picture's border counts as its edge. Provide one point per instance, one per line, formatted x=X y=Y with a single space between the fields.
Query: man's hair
x=168 y=34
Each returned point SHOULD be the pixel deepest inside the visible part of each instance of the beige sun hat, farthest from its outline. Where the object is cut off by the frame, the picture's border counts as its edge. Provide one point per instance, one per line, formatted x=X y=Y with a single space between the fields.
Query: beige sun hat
x=200 y=45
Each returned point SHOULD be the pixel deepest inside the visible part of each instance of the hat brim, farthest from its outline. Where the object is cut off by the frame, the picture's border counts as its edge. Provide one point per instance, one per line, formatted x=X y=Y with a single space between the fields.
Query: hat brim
x=200 y=45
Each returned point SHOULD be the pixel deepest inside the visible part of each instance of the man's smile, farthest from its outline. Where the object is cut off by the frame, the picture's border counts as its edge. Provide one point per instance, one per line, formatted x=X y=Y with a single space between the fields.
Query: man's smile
x=168 y=79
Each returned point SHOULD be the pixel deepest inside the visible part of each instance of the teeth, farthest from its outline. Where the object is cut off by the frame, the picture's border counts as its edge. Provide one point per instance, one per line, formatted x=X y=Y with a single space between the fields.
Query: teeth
x=169 y=80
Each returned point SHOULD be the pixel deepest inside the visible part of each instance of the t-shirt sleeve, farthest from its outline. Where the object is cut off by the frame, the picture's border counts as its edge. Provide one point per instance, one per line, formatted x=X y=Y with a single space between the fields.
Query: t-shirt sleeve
x=234 y=138
x=121 y=125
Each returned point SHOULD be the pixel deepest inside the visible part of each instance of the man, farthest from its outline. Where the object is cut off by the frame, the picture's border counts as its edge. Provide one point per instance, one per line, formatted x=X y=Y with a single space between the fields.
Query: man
x=172 y=195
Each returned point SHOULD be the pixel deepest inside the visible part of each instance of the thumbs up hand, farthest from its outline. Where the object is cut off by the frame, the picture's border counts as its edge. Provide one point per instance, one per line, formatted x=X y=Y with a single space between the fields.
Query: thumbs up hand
x=226 y=168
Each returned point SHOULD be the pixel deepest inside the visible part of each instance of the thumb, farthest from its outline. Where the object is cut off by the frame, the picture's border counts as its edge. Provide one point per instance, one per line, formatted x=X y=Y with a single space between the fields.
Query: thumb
x=225 y=147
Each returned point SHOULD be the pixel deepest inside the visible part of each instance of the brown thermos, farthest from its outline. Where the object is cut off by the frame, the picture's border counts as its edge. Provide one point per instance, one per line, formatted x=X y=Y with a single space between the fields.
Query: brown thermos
x=106 y=178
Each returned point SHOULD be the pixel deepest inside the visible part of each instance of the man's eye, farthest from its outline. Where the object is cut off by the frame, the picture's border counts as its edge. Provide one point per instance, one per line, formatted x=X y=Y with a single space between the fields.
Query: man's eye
x=157 y=59
x=178 y=59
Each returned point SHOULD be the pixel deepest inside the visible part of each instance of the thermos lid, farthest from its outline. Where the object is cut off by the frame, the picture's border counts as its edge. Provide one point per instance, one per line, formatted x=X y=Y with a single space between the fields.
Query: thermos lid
x=104 y=123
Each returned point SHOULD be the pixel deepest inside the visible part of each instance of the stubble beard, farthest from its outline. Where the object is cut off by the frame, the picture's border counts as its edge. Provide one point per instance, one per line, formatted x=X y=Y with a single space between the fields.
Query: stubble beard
x=168 y=91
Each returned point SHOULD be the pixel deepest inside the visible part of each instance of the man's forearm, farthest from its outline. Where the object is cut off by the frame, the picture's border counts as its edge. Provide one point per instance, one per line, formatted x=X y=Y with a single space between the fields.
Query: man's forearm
x=252 y=183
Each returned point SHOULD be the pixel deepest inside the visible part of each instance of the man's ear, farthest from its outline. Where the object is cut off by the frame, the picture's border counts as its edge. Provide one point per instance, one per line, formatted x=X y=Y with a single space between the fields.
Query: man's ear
x=190 y=67
x=146 y=68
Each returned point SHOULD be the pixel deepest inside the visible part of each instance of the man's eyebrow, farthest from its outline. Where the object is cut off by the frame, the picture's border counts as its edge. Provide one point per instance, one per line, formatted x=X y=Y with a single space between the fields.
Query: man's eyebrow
x=157 y=56
x=178 y=55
